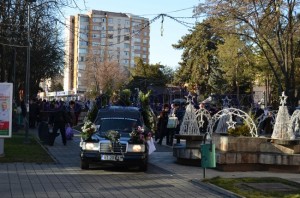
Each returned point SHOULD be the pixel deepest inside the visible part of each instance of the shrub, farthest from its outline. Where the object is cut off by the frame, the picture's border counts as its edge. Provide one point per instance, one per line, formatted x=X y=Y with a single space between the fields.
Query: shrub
x=92 y=114
x=242 y=130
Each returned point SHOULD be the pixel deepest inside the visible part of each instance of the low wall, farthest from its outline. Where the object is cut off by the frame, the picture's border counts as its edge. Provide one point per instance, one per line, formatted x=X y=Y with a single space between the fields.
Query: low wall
x=250 y=153
x=188 y=153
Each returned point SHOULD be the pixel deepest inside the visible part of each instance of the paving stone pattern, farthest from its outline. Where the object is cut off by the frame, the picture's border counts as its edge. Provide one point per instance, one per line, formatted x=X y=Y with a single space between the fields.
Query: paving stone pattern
x=65 y=178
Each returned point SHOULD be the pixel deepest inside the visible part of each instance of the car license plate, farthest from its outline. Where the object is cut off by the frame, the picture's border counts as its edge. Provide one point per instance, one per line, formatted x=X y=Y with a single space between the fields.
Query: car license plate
x=112 y=157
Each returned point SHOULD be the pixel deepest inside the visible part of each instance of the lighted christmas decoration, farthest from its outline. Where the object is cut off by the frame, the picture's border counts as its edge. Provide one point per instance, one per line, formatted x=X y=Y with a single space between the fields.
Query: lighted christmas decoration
x=189 y=124
x=282 y=127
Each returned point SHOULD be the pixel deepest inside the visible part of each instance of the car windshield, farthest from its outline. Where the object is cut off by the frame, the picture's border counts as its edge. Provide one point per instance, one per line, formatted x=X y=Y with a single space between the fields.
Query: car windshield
x=124 y=126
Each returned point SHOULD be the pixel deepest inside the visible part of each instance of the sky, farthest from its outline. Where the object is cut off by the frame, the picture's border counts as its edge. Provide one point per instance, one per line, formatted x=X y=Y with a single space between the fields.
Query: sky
x=161 y=50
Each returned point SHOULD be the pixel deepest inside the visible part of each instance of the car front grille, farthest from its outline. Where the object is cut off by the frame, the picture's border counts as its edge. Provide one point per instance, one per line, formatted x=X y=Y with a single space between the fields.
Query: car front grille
x=108 y=147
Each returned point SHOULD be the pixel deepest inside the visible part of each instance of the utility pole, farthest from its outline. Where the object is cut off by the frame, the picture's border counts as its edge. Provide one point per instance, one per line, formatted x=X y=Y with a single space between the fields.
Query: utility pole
x=27 y=80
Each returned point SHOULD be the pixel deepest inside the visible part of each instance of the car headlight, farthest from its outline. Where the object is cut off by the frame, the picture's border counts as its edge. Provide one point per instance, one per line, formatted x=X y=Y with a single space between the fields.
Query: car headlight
x=90 y=146
x=136 y=148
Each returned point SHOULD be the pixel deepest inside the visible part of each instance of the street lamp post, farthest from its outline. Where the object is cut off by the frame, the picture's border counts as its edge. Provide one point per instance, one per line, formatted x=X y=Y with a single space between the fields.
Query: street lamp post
x=27 y=78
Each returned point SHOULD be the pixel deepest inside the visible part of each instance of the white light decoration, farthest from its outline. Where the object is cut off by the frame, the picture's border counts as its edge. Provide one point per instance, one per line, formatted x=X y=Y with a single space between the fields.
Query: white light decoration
x=189 y=124
x=282 y=127
x=224 y=121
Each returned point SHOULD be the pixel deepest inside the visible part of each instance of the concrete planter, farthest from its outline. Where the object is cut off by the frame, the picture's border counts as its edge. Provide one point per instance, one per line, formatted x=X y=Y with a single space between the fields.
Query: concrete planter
x=251 y=153
x=188 y=153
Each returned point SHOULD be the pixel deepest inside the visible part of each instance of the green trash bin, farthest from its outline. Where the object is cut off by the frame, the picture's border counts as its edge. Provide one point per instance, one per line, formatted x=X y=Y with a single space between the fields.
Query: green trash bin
x=208 y=156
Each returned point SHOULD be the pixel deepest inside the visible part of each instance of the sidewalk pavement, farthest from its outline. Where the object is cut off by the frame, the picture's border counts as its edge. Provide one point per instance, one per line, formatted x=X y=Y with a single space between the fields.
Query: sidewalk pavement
x=65 y=178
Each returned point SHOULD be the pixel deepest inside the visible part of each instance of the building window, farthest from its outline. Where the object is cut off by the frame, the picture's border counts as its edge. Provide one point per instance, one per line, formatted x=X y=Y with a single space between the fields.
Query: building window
x=96 y=35
x=126 y=45
x=126 y=30
x=110 y=28
x=103 y=20
x=95 y=43
x=81 y=58
x=126 y=38
x=82 y=51
x=110 y=20
x=96 y=27
x=84 y=19
x=126 y=61
x=83 y=43
x=95 y=51
x=103 y=35
x=96 y=20
x=110 y=36
x=137 y=47
x=84 y=27
x=145 y=41
x=126 y=53
x=127 y=22
x=103 y=28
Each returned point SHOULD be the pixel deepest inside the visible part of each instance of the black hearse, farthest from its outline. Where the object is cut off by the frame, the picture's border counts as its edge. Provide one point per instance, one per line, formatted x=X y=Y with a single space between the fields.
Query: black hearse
x=102 y=150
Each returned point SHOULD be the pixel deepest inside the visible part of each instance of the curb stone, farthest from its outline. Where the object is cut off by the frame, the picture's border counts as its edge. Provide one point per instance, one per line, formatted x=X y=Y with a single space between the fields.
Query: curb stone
x=217 y=189
x=46 y=149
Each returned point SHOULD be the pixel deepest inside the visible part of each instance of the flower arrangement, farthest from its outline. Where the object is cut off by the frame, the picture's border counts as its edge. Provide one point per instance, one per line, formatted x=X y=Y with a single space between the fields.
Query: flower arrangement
x=88 y=129
x=113 y=136
x=138 y=135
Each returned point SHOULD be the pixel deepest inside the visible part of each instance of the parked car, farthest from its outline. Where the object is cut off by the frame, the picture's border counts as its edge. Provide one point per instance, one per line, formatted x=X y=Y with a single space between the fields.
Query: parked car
x=102 y=150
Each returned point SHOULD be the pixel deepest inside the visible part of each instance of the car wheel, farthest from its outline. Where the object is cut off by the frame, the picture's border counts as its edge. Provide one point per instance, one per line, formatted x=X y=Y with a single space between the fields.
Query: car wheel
x=84 y=165
x=143 y=166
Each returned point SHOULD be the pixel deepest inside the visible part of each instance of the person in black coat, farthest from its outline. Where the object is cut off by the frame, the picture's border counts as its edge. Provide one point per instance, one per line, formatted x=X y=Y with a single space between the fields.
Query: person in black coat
x=23 y=112
x=162 y=123
x=58 y=119
x=33 y=113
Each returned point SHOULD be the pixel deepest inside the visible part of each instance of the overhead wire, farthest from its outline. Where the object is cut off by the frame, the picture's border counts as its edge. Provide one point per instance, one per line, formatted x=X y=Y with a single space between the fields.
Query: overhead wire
x=167 y=12
x=132 y=34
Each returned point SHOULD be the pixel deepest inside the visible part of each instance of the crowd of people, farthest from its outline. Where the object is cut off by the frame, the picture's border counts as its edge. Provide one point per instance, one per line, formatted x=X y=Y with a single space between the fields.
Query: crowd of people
x=162 y=125
x=57 y=114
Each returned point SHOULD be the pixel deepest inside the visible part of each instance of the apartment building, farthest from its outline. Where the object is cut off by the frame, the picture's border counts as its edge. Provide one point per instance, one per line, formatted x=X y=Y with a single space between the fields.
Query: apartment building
x=114 y=36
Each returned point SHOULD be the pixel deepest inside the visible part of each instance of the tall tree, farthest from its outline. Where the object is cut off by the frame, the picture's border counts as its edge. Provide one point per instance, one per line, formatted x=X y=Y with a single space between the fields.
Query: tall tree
x=44 y=26
x=199 y=65
x=143 y=75
x=237 y=61
x=105 y=75
x=271 y=25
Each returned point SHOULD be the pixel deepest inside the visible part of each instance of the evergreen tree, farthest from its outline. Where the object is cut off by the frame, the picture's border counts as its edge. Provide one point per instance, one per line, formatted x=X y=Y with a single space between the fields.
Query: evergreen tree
x=199 y=59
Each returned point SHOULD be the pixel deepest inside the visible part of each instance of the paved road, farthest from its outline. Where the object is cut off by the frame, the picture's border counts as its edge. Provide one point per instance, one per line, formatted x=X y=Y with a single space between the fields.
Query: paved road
x=65 y=179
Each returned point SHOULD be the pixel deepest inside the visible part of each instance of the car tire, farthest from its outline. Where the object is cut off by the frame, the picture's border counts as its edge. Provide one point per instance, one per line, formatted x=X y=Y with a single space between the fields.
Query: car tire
x=84 y=165
x=143 y=166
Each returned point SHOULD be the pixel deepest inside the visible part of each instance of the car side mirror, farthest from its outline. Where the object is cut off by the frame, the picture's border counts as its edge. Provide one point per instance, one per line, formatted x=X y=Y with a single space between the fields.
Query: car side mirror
x=97 y=127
